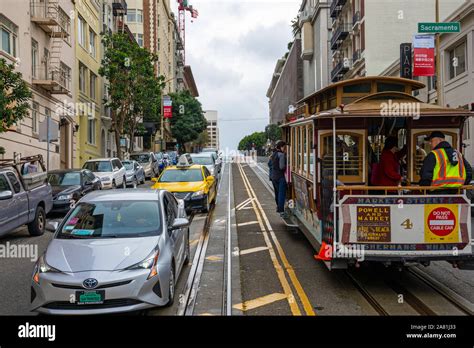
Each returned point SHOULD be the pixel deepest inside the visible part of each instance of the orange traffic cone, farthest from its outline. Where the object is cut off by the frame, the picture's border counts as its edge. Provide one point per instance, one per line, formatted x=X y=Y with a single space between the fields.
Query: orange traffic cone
x=325 y=253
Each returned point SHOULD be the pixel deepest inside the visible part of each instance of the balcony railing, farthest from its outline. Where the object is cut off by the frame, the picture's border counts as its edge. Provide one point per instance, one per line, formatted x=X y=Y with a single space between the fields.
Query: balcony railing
x=336 y=7
x=119 y=7
x=356 y=18
x=340 y=69
x=342 y=31
x=355 y=56
x=55 y=80
x=50 y=18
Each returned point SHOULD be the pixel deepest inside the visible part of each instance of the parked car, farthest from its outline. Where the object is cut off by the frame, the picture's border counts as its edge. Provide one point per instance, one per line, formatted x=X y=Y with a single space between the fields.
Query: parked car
x=206 y=159
x=135 y=173
x=24 y=199
x=149 y=163
x=173 y=157
x=111 y=172
x=86 y=256
x=209 y=149
x=69 y=185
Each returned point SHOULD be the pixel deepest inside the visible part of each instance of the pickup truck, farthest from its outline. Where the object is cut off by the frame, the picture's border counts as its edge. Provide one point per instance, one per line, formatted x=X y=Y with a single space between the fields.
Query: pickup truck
x=24 y=199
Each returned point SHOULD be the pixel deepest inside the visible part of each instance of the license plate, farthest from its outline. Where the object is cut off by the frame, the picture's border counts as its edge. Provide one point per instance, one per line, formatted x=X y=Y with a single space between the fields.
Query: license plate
x=90 y=297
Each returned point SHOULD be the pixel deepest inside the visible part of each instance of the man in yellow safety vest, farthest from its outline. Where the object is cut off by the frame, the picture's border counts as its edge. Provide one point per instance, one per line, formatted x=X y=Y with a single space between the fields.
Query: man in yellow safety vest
x=444 y=166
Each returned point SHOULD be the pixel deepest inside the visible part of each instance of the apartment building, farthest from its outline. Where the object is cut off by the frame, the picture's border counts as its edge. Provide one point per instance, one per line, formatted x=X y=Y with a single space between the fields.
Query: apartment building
x=286 y=86
x=366 y=34
x=314 y=25
x=212 y=128
x=457 y=80
x=37 y=36
x=86 y=68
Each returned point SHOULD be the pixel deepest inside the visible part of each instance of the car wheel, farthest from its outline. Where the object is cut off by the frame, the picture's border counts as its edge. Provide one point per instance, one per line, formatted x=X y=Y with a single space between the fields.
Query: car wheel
x=135 y=182
x=171 y=288
x=208 y=205
x=38 y=225
x=114 y=185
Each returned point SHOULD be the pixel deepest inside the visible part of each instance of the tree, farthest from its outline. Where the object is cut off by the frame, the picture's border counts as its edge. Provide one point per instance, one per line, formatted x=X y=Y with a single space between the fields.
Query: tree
x=255 y=141
x=273 y=132
x=14 y=96
x=133 y=89
x=188 y=120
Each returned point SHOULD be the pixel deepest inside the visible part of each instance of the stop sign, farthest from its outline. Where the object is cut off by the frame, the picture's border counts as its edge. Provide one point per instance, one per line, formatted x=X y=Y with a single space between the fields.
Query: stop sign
x=441 y=221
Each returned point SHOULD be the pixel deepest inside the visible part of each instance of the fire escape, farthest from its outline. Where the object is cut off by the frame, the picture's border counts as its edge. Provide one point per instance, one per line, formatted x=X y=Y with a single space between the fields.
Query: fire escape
x=52 y=74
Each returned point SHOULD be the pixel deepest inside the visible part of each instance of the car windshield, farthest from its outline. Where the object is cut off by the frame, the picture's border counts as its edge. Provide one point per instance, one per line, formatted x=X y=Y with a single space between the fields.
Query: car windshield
x=98 y=166
x=64 y=179
x=205 y=161
x=181 y=175
x=143 y=158
x=114 y=219
x=127 y=165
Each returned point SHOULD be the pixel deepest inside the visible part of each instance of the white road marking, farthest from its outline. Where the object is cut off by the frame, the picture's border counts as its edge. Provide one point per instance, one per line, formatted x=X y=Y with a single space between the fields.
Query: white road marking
x=253 y=250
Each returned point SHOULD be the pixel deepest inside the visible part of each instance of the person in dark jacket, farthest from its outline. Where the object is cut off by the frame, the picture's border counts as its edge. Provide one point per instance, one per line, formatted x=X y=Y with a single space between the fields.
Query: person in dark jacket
x=444 y=166
x=278 y=176
x=388 y=169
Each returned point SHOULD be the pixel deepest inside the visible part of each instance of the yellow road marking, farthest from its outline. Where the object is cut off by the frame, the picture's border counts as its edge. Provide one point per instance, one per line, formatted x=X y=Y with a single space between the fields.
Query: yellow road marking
x=259 y=302
x=195 y=241
x=295 y=310
x=253 y=250
x=294 y=279
x=241 y=204
x=214 y=258
x=248 y=223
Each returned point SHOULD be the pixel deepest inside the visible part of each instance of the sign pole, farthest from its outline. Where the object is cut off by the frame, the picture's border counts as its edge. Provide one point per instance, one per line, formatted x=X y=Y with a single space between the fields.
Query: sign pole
x=438 y=60
x=162 y=126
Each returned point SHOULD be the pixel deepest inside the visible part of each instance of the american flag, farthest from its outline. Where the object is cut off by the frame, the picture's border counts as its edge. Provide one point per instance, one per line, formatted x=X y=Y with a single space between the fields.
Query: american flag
x=194 y=13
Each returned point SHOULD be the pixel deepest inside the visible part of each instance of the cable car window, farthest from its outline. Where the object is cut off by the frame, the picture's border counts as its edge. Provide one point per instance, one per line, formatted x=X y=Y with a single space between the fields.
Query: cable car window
x=422 y=148
x=390 y=87
x=310 y=149
x=305 y=149
x=357 y=88
x=349 y=156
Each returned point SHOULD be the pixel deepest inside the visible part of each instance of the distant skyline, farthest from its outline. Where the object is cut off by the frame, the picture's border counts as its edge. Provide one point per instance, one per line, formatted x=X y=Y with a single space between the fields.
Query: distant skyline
x=232 y=48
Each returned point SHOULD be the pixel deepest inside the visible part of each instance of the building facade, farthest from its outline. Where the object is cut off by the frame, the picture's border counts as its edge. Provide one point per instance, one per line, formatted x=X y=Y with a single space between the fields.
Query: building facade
x=212 y=128
x=88 y=97
x=286 y=87
x=41 y=45
x=366 y=34
x=314 y=25
x=457 y=82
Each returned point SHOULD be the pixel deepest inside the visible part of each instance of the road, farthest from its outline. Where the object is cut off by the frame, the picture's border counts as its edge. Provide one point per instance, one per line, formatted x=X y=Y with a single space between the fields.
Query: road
x=248 y=255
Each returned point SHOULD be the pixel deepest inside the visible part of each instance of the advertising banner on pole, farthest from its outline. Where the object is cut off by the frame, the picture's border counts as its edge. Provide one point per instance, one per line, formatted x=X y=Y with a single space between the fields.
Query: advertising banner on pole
x=424 y=55
x=167 y=107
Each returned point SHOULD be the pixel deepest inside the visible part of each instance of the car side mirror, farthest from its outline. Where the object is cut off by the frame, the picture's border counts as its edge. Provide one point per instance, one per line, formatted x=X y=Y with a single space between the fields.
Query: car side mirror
x=52 y=226
x=210 y=178
x=154 y=179
x=6 y=195
x=116 y=169
x=179 y=223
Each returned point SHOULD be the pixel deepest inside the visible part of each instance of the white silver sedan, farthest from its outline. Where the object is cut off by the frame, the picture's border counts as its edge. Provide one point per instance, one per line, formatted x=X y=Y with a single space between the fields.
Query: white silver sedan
x=115 y=251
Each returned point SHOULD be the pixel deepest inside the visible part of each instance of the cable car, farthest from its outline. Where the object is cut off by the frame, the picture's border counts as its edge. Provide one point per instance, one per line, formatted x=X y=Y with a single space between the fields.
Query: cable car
x=335 y=139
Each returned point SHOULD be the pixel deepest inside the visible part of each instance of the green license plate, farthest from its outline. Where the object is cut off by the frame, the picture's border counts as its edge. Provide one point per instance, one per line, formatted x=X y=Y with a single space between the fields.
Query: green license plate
x=90 y=297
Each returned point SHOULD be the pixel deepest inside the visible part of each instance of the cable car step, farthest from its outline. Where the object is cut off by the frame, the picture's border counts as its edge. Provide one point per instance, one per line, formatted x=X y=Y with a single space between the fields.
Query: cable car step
x=289 y=222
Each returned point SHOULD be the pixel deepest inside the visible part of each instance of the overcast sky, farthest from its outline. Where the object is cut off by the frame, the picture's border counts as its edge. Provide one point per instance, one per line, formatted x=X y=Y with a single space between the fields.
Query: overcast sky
x=232 y=48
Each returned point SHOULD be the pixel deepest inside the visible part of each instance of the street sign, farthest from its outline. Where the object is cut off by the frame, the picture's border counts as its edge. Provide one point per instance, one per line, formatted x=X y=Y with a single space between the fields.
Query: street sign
x=406 y=61
x=48 y=126
x=167 y=107
x=448 y=27
x=424 y=55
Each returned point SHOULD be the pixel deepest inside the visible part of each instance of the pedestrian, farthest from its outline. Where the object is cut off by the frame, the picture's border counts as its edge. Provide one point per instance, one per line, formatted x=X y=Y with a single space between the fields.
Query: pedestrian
x=388 y=169
x=29 y=167
x=278 y=176
x=270 y=166
x=444 y=166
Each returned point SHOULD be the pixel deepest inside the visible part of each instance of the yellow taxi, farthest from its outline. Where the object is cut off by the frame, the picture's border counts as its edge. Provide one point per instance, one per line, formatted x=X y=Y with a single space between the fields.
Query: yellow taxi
x=193 y=183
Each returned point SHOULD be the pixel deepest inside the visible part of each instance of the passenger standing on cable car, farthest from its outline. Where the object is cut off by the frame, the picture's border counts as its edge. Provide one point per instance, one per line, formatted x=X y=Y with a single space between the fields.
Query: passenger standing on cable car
x=278 y=176
x=444 y=166
x=388 y=169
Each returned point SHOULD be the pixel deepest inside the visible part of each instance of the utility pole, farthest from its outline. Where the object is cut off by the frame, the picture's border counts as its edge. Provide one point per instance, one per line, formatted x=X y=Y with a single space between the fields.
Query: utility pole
x=438 y=61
